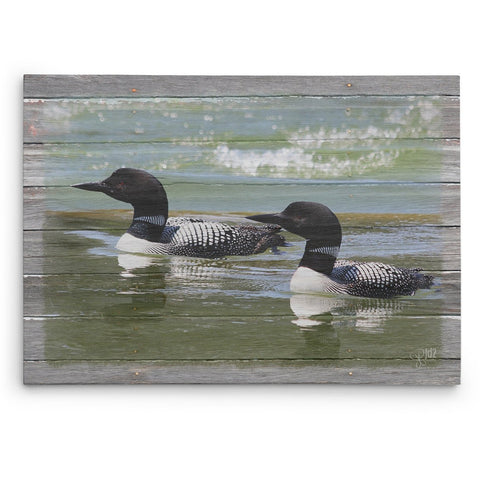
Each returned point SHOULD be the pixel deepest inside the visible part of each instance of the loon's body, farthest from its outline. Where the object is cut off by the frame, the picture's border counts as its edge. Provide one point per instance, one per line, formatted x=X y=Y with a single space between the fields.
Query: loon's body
x=152 y=232
x=320 y=271
x=193 y=237
x=361 y=279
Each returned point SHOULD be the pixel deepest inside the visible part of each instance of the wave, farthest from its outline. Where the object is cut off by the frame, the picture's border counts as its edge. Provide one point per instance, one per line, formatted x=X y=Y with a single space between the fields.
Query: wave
x=300 y=163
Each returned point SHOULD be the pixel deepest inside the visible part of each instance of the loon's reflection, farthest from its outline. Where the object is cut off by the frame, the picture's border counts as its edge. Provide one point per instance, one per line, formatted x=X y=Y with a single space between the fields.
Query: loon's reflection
x=178 y=267
x=131 y=262
x=367 y=314
x=314 y=318
x=306 y=306
x=330 y=325
x=200 y=274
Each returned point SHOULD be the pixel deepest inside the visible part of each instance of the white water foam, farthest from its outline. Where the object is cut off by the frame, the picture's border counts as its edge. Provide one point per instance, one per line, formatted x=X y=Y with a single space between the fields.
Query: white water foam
x=332 y=152
x=296 y=162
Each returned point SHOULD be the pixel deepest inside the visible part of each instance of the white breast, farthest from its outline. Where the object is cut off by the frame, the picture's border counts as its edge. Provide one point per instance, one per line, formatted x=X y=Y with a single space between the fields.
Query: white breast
x=129 y=243
x=306 y=280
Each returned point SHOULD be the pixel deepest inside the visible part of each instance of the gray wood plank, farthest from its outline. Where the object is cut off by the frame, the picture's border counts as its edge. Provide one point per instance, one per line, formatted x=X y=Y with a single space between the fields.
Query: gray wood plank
x=434 y=248
x=69 y=86
x=160 y=293
x=105 y=322
x=193 y=120
x=437 y=204
x=418 y=160
x=364 y=335
x=395 y=372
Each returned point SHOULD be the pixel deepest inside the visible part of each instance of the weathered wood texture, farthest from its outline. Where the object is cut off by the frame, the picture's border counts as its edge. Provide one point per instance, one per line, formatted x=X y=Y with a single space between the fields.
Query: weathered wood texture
x=189 y=340
x=70 y=339
x=153 y=303
x=440 y=200
x=421 y=156
x=43 y=127
x=91 y=86
x=45 y=251
x=393 y=372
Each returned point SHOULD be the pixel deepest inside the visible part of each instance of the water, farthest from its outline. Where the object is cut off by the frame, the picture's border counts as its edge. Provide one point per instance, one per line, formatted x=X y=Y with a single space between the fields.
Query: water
x=97 y=303
x=323 y=138
x=377 y=162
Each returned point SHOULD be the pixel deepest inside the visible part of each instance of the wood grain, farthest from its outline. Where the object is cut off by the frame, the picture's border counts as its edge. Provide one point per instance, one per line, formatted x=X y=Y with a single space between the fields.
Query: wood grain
x=394 y=372
x=440 y=201
x=96 y=338
x=204 y=119
x=425 y=160
x=111 y=294
x=80 y=86
x=135 y=327
x=46 y=251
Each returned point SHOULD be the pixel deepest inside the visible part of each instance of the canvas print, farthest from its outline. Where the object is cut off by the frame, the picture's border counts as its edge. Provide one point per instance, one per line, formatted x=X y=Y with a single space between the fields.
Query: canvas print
x=241 y=230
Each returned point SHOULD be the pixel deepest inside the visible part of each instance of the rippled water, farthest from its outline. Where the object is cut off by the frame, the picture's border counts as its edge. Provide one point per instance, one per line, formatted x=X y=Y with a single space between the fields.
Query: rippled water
x=224 y=159
x=283 y=138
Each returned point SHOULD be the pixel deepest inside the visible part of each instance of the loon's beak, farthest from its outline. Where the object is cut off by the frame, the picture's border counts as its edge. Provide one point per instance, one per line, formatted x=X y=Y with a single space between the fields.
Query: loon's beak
x=92 y=186
x=275 y=218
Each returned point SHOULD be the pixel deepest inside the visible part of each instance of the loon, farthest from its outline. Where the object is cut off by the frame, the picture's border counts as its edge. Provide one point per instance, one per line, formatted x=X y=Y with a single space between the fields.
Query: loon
x=319 y=269
x=152 y=232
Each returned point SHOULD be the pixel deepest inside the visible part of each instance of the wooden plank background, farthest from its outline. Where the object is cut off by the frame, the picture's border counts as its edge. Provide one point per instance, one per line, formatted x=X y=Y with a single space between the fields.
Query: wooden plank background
x=132 y=357
x=111 y=86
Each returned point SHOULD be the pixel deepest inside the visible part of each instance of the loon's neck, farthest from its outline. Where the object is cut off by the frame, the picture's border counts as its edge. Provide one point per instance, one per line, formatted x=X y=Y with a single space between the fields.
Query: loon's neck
x=148 y=221
x=319 y=257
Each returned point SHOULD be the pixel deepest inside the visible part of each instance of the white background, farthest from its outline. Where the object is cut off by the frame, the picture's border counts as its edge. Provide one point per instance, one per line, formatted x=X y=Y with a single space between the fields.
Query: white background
x=244 y=432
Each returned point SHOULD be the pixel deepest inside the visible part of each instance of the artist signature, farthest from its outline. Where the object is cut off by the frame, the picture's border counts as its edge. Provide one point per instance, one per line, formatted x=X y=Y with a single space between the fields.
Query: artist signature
x=423 y=355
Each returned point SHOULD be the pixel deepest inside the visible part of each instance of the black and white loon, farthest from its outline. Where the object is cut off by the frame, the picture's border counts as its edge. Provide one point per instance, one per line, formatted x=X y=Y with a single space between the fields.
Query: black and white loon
x=319 y=270
x=152 y=232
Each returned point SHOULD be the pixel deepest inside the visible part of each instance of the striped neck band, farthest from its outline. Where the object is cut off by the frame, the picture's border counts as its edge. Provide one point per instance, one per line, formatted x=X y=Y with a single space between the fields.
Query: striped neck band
x=153 y=219
x=325 y=250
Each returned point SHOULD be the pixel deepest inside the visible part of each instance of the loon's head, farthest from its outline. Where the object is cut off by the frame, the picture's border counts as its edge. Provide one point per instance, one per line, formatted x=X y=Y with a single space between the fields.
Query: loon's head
x=137 y=187
x=310 y=220
x=318 y=224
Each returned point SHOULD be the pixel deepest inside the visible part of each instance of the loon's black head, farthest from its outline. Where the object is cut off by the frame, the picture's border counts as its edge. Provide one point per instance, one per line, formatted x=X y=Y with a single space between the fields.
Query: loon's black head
x=318 y=224
x=310 y=220
x=137 y=187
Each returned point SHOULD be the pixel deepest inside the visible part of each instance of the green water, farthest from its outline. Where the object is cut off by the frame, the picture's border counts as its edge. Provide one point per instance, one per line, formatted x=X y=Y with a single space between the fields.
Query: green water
x=97 y=303
x=376 y=162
